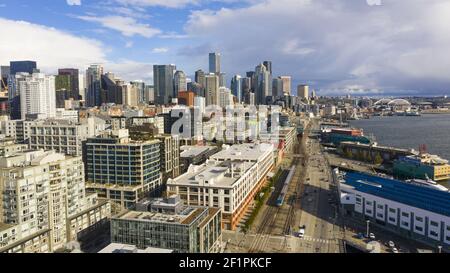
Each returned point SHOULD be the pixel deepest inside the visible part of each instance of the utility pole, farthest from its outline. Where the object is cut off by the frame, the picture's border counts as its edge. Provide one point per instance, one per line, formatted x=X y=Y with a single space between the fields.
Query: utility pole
x=368 y=222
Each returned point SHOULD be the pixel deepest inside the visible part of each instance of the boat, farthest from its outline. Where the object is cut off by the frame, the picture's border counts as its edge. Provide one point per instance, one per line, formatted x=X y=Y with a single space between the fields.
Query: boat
x=428 y=183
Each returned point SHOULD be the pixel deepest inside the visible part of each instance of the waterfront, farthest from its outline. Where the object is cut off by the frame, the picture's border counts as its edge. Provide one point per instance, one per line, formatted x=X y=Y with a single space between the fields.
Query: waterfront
x=410 y=132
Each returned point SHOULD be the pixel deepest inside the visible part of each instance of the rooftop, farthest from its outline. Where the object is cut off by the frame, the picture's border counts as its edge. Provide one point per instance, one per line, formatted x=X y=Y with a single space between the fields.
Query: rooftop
x=248 y=151
x=184 y=218
x=191 y=151
x=421 y=197
x=123 y=248
x=213 y=174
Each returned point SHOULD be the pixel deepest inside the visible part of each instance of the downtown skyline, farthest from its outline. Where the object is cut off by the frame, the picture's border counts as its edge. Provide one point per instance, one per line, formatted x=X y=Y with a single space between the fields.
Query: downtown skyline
x=386 y=54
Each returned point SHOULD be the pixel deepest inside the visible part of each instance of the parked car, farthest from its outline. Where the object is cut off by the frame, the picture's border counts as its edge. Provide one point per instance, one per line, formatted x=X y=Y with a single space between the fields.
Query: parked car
x=394 y=250
x=301 y=232
x=391 y=244
x=372 y=236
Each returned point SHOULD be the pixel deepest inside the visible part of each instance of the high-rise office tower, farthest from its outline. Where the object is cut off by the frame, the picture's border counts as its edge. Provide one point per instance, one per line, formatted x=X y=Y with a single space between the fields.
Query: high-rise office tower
x=252 y=76
x=130 y=95
x=263 y=86
x=74 y=91
x=212 y=89
x=163 y=83
x=29 y=67
x=222 y=80
x=303 y=91
x=214 y=63
x=268 y=65
x=179 y=82
x=15 y=67
x=236 y=87
x=200 y=77
x=112 y=88
x=287 y=85
x=277 y=87
x=37 y=94
x=140 y=87
x=82 y=85
x=94 y=85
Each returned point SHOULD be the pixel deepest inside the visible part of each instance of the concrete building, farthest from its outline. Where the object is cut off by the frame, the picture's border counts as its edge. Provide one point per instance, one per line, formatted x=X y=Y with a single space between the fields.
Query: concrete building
x=287 y=85
x=195 y=230
x=225 y=97
x=186 y=98
x=303 y=91
x=37 y=94
x=412 y=211
x=214 y=63
x=124 y=248
x=229 y=180
x=122 y=170
x=422 y=166
x=170 y=156
x=195 y=155
x=63 y=136
x=9 y=147
x=179 y=82
x=40 y=192
x=212 y=89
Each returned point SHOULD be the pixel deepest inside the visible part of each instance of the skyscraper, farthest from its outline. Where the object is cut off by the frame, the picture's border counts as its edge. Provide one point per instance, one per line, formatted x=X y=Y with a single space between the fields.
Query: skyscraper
x=236 y=87
x=29 y=67
x=74 y=91
x=4 y=74
x=179 y=81
x=268 y=65
x=37 y=94
x=222 y=79
x=263 y=84
x=14 y=97
x=212 y=89
x=303 y=91
x=94 y=85
x=287 y=85
x=163 y=83
x=140 y=86
x=277 y=87
x=214 y=63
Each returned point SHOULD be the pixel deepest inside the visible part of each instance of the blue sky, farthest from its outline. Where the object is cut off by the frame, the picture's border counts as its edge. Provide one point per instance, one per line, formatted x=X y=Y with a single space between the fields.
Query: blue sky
x=336 y=46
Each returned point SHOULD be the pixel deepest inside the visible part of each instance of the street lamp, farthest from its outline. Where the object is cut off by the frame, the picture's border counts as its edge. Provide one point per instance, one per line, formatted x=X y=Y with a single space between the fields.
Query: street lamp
x=368 y=222
x=440 y=249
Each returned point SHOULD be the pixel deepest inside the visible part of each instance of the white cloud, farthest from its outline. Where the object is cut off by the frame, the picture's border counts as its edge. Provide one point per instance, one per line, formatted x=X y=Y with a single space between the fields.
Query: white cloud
x=74 y=2
x=160 y=50
x=336 y=43
x=129 y=44
x=126 y=25
x=161 y=3
x=130 y=70
x=51 y=48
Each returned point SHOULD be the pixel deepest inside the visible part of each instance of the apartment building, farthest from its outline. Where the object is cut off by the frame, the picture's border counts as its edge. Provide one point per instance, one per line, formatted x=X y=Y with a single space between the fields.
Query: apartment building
x=170 y=156
x=229 y=180
x=194 y=230
x=40 y=191
x=120 y=169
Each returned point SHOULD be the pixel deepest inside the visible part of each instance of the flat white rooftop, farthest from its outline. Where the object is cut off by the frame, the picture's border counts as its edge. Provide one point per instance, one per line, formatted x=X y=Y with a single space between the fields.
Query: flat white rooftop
x=123 y=248
x=247 y=152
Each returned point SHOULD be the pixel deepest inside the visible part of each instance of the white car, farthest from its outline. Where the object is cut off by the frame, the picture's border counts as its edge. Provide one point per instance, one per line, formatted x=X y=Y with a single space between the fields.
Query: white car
x=301 y=232
x=391 y=244
x=372 y=236
x=394 y=250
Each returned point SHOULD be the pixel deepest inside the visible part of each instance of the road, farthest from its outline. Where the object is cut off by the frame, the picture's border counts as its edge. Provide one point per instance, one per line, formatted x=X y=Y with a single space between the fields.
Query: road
x=307 y=203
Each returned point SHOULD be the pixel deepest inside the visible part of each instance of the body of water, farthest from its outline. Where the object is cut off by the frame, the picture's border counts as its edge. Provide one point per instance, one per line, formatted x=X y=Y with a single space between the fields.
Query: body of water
x=410 y=132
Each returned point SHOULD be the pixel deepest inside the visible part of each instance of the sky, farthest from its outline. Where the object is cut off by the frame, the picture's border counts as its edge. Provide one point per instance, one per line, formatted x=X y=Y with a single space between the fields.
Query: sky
x=358 y=47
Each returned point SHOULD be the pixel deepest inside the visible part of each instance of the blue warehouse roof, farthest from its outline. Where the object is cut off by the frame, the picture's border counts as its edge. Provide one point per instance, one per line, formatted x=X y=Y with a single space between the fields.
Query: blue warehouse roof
x=425 y=198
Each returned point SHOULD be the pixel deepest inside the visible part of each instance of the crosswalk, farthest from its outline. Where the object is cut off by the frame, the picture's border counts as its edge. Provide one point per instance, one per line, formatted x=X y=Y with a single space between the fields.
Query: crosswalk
x=316 y=240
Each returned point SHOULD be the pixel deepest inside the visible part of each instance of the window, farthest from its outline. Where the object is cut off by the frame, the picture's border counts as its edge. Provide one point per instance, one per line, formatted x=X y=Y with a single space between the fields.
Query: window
x=405 y=214
x=380 y=215
x=391 y=219
x=448 y=228
x=433 y=233
x=419 y=228
x=419 y=219
x=369 y=203
x=358 y=200
x=380 y=206
x=406 y=224
x=368 y=211
x=434 y=224
x=392 y=210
